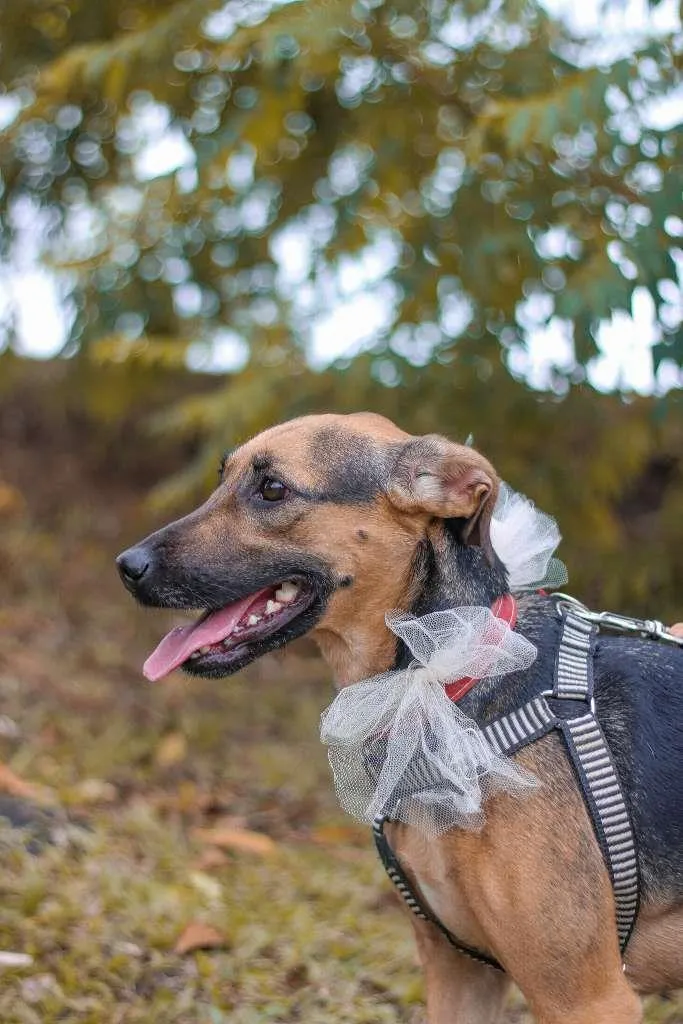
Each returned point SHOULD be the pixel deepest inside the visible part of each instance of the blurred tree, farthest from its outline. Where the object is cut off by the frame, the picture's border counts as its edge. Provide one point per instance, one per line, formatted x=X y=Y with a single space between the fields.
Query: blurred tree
x=467 y=162
x=212 y=176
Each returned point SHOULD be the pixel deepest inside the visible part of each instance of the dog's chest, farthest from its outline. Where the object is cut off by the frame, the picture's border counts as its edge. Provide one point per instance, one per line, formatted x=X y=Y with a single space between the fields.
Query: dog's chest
x=438 y=872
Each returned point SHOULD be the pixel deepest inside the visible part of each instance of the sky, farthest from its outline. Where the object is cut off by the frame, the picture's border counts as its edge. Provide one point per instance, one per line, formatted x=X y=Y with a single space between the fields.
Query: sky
x=36 y=296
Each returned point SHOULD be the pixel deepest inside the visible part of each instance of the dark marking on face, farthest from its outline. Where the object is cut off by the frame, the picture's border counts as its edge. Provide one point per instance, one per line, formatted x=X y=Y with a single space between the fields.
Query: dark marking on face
x=262 y=462
x=356 y=470
x=345 y=581
x=362 y=535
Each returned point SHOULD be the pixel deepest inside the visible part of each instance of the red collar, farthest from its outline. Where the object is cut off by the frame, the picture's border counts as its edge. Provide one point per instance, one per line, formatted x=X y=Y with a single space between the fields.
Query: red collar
x=504 y=608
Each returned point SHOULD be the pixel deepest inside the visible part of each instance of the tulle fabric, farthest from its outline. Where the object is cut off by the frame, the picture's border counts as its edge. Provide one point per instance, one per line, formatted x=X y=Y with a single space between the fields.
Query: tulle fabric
x=399 y=746
x=525 y=539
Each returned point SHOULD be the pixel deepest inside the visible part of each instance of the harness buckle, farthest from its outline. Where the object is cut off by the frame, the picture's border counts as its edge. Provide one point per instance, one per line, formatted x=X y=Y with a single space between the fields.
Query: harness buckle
x=651 y=629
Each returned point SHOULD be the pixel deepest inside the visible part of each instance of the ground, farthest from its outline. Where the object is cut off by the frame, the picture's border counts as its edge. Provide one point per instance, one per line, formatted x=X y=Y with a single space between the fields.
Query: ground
x=164 y=819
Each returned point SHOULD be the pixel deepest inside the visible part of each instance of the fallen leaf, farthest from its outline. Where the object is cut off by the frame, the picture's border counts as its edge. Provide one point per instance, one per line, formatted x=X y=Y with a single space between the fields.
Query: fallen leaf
x=340 y=835
x=171 y=749
x=15 y=786
x=238 y=821
x=236 y=839
x=199 y=936
x=211 y=858
x=11 y=500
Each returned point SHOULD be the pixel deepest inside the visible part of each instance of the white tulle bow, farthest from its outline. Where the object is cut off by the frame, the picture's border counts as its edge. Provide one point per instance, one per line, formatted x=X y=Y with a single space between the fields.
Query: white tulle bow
x=525 y=539
x=399 y=746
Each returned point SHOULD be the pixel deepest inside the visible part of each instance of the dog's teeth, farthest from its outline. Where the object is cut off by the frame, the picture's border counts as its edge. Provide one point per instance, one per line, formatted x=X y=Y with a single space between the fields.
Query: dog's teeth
x=272 y=607
x=253 y=620
x=204 y=650
x=287 y=592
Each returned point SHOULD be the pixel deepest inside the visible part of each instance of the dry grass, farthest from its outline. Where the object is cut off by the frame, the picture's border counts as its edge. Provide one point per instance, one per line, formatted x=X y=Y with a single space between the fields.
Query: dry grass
x=129 y=775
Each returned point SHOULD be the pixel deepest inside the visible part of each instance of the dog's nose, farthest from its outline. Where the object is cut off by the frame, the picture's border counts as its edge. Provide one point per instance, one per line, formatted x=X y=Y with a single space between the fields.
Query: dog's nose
x=133 y=564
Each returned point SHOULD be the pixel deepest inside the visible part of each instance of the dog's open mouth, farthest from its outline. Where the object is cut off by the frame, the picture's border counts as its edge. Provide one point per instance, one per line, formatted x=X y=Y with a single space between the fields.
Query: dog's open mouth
x=222 y=641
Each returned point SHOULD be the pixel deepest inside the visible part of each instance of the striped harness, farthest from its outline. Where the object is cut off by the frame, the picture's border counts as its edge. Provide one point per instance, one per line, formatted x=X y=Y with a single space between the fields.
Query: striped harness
x=568 y=708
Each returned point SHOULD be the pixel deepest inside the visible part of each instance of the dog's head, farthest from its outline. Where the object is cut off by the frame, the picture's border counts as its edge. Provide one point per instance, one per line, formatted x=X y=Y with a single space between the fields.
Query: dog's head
x=319 y=525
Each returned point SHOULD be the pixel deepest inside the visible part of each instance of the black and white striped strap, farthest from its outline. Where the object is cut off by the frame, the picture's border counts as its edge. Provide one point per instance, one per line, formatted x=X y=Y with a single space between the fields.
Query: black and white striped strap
x=521 y=727
x=609 y=814
x=393 y=868
x=574 y=662
x=590 y=755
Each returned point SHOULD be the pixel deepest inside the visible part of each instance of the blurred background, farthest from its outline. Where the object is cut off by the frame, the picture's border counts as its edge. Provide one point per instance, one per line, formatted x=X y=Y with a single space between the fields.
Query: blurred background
x=214 y=216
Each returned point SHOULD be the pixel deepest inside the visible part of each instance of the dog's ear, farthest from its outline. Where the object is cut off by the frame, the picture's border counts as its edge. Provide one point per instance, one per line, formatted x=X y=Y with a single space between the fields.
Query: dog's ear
x=448 y=481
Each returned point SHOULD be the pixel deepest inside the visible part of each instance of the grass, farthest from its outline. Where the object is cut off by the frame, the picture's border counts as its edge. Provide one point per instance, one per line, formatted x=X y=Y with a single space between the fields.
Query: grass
x=131 y=776
x=101 y=914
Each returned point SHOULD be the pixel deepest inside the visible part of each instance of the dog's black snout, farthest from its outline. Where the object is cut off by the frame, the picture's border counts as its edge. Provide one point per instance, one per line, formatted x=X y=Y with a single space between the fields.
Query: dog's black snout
x=133 y=564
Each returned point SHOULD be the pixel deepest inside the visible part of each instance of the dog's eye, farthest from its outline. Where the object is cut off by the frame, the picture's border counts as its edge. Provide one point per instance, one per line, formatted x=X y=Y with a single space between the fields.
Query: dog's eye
x=272 y=490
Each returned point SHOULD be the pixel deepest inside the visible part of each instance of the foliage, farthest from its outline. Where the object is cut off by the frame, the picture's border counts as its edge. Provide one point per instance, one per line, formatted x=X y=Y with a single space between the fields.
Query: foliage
x=466 y=164
x=470 y=156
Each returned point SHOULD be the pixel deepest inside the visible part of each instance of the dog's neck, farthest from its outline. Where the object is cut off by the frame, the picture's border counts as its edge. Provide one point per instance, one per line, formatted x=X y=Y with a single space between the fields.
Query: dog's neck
x=444 y=574
x=451 y=575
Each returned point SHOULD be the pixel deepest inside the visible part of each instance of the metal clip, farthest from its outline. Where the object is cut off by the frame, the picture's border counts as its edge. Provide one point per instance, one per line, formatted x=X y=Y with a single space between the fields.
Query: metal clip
x=652 y=629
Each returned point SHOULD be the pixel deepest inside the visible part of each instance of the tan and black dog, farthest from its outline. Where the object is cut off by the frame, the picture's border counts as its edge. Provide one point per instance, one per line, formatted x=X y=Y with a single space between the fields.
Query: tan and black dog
x=322 y=525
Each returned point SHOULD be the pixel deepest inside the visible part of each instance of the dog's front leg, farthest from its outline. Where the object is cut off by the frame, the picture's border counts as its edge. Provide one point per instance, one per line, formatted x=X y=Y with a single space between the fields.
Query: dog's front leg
x=618 y=1005
x=459 y=990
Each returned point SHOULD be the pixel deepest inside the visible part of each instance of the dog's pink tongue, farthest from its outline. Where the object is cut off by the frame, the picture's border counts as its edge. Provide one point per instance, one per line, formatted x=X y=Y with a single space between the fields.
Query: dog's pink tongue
x=181 y=642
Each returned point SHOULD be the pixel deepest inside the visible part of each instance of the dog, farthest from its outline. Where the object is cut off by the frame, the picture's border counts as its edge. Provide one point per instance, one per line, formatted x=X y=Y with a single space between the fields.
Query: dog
x=320 y=526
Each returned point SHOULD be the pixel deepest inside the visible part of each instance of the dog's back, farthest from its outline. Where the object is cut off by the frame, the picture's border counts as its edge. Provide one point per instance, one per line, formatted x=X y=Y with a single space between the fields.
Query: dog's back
x=639 y=698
